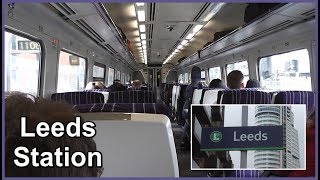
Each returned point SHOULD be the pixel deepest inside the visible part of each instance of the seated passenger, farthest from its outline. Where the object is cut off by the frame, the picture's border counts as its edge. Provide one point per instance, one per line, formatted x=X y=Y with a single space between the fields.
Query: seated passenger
x=202 y=84
x=117 y=86
x=90 y=86
x=100 y=85
x=217 y=84
x=136 y=84
x=253 y=83
x=95 y=86
x=235 y=80
x=35 y=111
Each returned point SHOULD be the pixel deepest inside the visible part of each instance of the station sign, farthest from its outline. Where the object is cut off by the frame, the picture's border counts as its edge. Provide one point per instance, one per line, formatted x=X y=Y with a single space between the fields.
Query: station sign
x=242 y=138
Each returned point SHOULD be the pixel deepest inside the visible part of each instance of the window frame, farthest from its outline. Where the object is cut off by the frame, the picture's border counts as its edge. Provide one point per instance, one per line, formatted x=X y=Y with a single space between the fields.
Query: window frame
x=209 y=72
x=104 y=72
x=123 y=76
x=226 y=72
x=114 y=70
x=185 y=80
x=119 y=74
x=284 y=52
x=181 y=75
x=42 y=55
x=76 y=54
x=205 y=74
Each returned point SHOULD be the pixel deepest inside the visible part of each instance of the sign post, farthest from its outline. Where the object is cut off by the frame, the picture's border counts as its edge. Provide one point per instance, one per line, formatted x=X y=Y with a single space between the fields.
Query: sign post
x=244 y=122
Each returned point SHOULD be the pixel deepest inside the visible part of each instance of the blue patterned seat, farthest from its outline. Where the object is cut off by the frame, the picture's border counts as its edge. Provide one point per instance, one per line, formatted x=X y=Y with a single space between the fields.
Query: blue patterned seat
x=75 y=98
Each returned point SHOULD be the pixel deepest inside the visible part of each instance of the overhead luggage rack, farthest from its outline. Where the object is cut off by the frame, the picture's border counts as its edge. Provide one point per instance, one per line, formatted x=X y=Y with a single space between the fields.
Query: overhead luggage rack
x=285 y=16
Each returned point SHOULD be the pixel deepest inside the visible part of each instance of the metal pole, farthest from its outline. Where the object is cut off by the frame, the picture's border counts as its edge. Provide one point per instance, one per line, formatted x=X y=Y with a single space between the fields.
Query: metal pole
x=244 y=122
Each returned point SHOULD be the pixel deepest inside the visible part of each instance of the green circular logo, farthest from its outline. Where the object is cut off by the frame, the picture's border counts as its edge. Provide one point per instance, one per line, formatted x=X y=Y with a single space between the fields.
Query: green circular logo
x=216 y=136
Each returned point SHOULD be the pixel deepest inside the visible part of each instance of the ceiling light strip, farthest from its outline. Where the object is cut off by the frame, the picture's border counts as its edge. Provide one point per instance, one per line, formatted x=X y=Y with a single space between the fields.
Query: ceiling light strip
x=217 y=7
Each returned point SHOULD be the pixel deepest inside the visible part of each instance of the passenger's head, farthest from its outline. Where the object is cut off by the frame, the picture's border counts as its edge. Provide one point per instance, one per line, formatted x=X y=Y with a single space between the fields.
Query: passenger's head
x=116 y=81
x=116 y=86
x=100 y=85
x=35 y=111
x=201 y=84
x=17 y=105
x=217 y=84
x=253 y=83
x=234 y=80
x=136 y=84
x=195 y=74
x=95 y=85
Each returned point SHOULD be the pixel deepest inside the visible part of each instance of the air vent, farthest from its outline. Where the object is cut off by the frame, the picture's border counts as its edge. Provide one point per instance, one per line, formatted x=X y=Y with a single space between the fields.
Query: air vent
x=66 y=8
x=111 y=49
x=105 y=47
x=250 y=38
x=88 y=28
x=202 y=10
x=186 y=31
x=196 y=18
x=152 y=12
x=309 y=13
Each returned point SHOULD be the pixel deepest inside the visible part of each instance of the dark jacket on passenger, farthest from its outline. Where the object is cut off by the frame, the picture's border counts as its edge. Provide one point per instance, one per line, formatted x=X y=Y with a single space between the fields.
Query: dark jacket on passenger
x=117 y=87
x=195 y=78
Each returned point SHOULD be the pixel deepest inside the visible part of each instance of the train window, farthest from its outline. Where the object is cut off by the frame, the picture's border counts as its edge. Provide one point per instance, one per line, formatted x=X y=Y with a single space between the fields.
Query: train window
x=287 y=71
x=128 y=79
x=214 y=73
x=22 y=61
x=241 y=66
x=71 y=72
x=110 y=76
x=99 y=71
x=123 y=78
x=203 y=74
x=186 y=77
x=180 y=79
x=118 y=75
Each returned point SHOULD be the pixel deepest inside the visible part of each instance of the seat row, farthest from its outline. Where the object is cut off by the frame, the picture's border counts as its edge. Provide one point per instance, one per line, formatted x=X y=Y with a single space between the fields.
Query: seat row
x=89 y=97
x=253 y=96
x=126 y=126
x=173 y=95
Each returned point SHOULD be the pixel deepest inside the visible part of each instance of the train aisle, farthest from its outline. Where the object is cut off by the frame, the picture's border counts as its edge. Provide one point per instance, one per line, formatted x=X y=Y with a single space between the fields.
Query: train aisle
x=184 y=156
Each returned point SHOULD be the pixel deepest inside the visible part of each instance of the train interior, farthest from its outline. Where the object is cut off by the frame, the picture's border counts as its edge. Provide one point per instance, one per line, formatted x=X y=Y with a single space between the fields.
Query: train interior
x=63 y=51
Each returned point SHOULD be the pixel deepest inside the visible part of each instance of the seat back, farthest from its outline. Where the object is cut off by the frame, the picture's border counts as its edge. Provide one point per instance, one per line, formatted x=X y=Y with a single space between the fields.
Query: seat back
x=296 y=97
x=211 y=96
x=104 y=92
x=180 y=102
x=96 y=90
x=152 y=108
x=177 y=97
x=168 y=93
x=196 y=97
x=244 y=96
x=75 y=98
x=142 y=88
x=173 y=95
x=142 y=145
x=131 y=97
